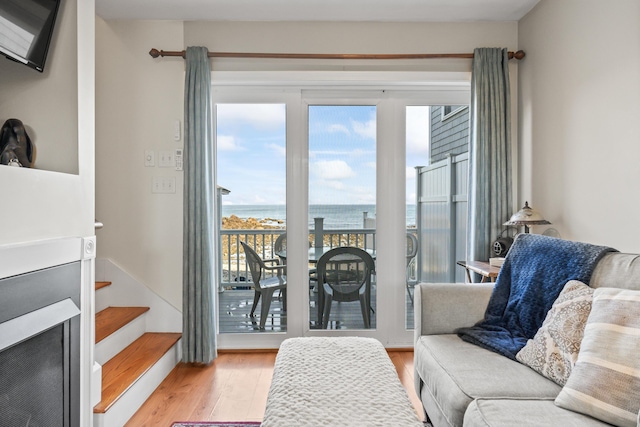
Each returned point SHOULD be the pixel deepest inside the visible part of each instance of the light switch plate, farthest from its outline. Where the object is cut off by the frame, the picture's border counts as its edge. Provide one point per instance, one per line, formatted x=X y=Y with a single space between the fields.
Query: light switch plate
x=149 y=158
x=163 y=184
x=166 y=158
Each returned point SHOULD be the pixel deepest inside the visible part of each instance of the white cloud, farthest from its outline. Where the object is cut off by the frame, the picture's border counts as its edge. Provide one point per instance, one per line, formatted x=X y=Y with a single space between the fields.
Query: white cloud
x=365 y=129
x=418 y=132
x=338 y=128
x=227 y=143
x=411 y=173
x=411 y=198
x=257 y=199
x=334 y=185
x=278 y=149
x=341 y=153
x=261 y=116
x=332 y=170
x=364 y=195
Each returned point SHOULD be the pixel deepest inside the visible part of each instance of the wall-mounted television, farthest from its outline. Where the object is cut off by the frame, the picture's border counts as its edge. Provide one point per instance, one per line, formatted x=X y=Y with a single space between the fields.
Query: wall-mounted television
x=26 y=27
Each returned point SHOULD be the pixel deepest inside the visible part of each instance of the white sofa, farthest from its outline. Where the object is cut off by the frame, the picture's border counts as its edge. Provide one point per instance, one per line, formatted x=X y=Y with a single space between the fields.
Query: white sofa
x=461 y=384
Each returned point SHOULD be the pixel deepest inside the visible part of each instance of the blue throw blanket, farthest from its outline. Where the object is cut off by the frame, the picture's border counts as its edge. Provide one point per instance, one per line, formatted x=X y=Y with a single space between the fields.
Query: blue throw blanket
x=533 y=274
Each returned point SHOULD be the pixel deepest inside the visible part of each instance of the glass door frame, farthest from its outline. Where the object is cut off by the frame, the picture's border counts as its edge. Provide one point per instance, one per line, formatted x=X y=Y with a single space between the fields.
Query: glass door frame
x=346 y=97
x=339 y=88
x=291 y=98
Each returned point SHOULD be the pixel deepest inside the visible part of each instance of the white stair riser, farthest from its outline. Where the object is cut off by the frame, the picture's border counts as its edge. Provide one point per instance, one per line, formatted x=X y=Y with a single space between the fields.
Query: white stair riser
x=135 y=396
x=120 y=339
x=102 y=299
x=126 y=290
x=96 y=384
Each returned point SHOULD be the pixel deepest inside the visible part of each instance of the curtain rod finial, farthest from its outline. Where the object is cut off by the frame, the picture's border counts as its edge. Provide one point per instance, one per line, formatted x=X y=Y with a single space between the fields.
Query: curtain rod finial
x=519 y=54
x=154 y=53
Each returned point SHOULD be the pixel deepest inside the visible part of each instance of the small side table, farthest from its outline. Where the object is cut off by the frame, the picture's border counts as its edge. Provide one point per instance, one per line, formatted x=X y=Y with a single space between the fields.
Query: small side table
x=484 y=269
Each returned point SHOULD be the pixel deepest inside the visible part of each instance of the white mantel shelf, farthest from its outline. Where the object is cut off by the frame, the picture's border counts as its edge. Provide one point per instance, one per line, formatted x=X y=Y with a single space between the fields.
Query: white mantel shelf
x=25 y=257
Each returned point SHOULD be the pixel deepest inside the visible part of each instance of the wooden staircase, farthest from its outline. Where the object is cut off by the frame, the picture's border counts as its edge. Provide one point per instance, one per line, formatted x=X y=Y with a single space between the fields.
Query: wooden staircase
x=134 y=361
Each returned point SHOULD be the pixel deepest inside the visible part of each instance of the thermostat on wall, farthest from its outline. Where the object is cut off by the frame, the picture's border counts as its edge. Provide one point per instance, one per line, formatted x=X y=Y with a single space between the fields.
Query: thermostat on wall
x=178 y=158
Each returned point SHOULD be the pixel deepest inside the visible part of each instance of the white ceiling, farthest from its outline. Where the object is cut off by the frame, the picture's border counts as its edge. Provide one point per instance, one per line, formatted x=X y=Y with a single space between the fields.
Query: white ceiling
x=317 y=10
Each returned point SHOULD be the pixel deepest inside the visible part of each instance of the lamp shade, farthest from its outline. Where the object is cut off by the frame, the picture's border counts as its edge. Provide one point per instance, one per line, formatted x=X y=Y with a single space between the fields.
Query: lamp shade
x=526 y=216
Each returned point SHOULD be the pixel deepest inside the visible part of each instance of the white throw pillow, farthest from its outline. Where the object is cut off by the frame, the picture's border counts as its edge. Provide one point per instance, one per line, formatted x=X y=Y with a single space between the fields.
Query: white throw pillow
x=605 y=382
x=554 y=349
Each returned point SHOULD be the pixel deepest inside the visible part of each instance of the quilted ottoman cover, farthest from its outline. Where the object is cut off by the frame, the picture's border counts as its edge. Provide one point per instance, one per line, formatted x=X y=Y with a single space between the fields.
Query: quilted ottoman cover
x=336 y=381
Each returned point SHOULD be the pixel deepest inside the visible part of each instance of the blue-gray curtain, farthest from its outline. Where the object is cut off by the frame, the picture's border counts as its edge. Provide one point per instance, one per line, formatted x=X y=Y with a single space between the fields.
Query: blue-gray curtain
x=490 y=171
x=198 y=294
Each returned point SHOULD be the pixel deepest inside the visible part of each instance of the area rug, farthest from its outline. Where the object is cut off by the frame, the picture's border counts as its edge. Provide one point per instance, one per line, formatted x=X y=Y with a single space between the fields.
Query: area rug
x=217 y=424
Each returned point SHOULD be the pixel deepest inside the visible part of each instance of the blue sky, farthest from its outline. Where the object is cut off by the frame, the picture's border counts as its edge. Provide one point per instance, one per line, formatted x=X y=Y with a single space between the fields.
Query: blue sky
x=342 y=155
x=342 y=152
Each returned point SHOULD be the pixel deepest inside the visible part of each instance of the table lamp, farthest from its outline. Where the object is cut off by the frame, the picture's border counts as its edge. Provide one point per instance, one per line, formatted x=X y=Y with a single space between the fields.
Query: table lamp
x=526 y=216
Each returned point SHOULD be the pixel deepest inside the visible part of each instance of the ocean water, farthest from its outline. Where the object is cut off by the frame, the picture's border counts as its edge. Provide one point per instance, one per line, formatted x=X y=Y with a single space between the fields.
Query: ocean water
x=335 y=216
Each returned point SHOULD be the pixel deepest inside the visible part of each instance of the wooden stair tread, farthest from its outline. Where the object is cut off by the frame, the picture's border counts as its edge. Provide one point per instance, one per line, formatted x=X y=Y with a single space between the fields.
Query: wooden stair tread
x=124 y=369
x=111 y=319
x=100 y=285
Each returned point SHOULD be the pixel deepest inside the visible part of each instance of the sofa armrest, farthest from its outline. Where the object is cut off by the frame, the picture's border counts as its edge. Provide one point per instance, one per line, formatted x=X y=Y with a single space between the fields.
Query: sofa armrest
x=441 y=308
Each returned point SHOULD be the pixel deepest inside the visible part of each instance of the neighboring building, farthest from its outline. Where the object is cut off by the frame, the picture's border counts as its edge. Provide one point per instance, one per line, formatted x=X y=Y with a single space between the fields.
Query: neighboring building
x=449 y=131
x=442 y=196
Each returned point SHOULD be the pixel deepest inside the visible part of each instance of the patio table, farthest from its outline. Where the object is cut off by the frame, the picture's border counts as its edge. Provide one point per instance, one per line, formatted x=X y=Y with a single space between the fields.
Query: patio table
x=314 y=256
x=316 y=253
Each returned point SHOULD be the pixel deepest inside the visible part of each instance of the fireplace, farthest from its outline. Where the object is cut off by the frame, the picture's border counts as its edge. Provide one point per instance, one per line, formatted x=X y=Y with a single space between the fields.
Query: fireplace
x=40 y=348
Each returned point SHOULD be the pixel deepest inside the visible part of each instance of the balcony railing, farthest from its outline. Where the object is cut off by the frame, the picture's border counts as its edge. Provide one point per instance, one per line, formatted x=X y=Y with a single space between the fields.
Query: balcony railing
x=234 y=272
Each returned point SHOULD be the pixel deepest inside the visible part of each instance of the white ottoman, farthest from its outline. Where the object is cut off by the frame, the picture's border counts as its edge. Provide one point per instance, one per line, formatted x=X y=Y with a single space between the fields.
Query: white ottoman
x=342 y=381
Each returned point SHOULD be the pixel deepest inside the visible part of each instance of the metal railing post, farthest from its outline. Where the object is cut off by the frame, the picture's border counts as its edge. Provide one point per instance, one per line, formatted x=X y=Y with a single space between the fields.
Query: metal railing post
x=318 y=232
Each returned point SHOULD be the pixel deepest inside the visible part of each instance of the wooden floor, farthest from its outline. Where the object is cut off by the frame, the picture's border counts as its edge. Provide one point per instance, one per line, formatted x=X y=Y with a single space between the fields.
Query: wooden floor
x=233 y=388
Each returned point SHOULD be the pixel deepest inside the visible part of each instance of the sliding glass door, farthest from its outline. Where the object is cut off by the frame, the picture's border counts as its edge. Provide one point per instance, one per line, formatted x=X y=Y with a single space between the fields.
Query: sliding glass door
x=342 y=213
x=305 y=170
x=251 y=169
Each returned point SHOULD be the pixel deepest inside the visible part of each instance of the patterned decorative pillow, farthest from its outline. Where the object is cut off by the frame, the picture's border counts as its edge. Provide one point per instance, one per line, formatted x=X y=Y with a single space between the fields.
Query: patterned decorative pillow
x=605 y=382
x=554 y=349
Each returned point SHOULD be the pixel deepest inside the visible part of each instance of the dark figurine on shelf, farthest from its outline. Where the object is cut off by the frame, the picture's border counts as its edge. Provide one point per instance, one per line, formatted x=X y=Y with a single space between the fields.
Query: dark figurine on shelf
x=16 y=148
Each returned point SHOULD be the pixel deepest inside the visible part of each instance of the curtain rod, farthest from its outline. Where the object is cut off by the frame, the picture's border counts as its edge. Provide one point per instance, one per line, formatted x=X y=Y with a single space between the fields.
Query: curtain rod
x=156 y=53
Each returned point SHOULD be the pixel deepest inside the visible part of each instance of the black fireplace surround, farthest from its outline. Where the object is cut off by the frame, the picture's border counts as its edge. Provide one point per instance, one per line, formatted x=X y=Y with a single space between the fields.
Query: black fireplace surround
x=40 y=348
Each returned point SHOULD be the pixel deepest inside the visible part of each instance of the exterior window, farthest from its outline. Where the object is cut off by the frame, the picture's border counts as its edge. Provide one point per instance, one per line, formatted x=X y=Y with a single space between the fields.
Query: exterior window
x=449 y=111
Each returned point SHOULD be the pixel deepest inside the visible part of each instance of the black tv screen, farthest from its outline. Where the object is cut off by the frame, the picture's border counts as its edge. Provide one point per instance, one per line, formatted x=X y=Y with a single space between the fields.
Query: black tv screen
x=26 y=27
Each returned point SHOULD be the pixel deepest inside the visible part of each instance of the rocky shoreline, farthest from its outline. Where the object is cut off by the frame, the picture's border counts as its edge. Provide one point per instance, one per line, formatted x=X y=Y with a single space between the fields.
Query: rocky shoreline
x=234 y=222
x=231 y=249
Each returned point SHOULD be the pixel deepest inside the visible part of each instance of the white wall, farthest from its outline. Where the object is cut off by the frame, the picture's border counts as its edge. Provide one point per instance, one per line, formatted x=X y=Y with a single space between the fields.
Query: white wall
x=348 y=37
x=138 y=97
x=57 y=107
x=579 y=108
x=47 y=102
x=46 y=213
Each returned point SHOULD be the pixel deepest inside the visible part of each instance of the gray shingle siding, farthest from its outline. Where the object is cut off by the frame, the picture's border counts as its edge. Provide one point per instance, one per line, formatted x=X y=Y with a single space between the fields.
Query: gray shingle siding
x=449 y=136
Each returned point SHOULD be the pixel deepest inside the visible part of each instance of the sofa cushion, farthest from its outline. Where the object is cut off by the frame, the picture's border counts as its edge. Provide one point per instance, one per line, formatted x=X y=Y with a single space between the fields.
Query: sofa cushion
x=617 y=270
x=605 y=382
x=457 y=372
x=554 y=349
x=523 y=413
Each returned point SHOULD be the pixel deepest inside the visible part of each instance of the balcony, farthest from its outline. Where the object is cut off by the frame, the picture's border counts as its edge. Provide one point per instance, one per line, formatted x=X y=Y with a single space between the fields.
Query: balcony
x=235 y=293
